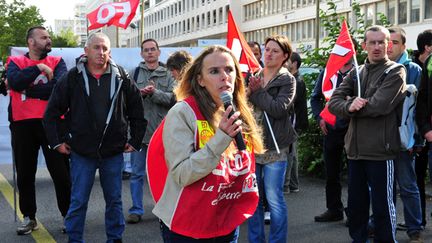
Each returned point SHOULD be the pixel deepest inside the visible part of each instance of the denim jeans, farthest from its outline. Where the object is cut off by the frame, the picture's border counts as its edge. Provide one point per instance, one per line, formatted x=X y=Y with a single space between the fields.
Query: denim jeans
x=270 y=177
x=169 y=236
x=409 y=192
x=138 y=161
x=83 y=172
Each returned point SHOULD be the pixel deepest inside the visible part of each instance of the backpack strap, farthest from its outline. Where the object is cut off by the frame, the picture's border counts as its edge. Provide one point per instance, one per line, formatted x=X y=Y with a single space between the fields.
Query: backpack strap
x=135 y=76
x=387 y=71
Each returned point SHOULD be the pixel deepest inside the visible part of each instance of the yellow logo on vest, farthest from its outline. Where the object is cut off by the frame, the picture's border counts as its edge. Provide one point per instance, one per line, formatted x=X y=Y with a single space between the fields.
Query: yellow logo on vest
x=205 y=132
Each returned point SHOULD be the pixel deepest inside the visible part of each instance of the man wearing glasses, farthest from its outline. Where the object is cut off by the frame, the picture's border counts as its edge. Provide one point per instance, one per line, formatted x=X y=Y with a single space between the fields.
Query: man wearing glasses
x=156 y=85
x=372 y=141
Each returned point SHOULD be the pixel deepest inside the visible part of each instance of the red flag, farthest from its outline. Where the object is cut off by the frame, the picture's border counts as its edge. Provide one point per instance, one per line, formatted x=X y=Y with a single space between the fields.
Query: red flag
x=239 y=46
x=119 y=14
x=341 y=54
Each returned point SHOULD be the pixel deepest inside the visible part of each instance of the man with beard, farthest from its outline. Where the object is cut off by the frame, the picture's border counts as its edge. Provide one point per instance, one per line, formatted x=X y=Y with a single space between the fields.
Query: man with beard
x=31 y=78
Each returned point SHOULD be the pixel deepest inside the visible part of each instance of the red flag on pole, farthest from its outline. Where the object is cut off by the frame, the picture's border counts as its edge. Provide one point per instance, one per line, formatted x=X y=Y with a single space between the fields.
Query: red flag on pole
x=341 y=54
x=119 y=14
x=239 y=46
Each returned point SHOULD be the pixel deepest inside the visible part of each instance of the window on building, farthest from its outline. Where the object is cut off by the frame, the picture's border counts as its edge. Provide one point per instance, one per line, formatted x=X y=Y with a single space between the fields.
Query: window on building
x=226 y=13
x=188 y=25
x=370 y=14
x=391 y=11
x=298 y=31
x=428 y=9
x=214 y=17
x=380 y=8
x=208 y=19
x=311 y=28
x=403 y=10
x=415 y=11
x=220 y=15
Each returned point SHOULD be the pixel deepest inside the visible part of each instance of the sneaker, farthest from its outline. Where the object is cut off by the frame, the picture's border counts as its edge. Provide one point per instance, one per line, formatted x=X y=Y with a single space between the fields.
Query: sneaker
x=126 y=175
x=329 y=216
x=27 y=226
x=63 y=228
x=294 y=190
x=416 y=238
x=133 y=218
x=402 y=227
x=267 y=217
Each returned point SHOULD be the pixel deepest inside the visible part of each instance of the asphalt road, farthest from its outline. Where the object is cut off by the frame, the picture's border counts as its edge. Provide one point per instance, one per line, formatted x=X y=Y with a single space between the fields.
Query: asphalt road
x=302 y=206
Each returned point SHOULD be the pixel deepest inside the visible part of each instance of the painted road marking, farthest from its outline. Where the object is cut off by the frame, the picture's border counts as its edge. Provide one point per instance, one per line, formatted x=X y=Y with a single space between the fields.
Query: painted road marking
x=41 y=235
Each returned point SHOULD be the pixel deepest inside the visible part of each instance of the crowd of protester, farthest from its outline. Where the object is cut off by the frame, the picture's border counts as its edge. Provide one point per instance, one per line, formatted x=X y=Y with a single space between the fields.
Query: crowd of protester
x=230 y=142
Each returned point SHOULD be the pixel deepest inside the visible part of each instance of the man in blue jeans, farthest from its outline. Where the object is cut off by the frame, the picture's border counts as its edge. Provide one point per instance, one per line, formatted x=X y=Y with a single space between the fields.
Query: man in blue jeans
x=99 y=101
x=404 y=165
x=156 y=85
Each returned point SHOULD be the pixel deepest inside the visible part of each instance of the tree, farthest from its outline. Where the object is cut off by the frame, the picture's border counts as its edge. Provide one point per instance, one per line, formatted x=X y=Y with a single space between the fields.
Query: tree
x=15 y=20
x=66 y=38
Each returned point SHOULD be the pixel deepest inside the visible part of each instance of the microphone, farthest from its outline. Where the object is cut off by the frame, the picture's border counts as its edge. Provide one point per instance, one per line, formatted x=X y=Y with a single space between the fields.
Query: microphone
x=226 y=98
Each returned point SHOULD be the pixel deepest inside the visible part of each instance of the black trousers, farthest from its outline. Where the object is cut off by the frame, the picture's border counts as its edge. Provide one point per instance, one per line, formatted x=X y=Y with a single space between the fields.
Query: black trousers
x=421 y=165
x=333 y=151
x=28 y=136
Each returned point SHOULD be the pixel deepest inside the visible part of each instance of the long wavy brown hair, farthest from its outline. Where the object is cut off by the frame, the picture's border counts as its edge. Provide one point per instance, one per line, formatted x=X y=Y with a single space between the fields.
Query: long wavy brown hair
x=189 y=86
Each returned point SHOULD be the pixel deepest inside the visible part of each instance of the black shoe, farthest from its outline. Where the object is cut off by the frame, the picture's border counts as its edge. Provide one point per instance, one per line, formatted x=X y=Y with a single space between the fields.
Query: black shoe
x=126 y=175
x=329 y=216
x=402 y=227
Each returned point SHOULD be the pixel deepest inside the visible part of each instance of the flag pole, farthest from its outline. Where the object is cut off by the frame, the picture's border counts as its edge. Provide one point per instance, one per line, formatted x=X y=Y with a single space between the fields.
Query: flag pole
x=358 y=75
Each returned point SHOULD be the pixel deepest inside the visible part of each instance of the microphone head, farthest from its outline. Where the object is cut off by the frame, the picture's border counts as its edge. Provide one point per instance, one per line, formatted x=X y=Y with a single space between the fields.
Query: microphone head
x=226 y=97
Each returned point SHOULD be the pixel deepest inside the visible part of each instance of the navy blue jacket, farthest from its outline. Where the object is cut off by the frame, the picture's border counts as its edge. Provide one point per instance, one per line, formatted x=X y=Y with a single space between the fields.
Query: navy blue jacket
x=317 y=102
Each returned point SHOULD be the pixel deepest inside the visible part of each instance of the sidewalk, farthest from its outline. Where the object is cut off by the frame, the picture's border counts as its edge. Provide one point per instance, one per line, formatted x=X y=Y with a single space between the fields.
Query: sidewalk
x=302 y=207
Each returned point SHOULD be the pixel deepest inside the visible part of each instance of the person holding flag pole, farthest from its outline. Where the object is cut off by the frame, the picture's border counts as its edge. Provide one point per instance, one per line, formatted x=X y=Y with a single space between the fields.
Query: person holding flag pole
x=372 y=141
x=340 y=63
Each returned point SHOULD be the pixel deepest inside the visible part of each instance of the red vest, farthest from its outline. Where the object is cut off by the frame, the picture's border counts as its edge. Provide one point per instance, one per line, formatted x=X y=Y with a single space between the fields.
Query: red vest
x=216 y=204
x=24 y=107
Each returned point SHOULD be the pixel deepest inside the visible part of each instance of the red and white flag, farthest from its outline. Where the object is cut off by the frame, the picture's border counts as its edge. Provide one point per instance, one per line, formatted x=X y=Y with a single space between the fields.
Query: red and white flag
x=239 y=46
x=119 y=14
x=341 y=54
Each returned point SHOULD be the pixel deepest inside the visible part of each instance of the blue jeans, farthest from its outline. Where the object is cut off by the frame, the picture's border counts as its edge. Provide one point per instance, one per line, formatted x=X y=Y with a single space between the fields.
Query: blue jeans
x=409 y=192
x=83 y=172
x=138 y=161
x=169 y=236
x=270 y=177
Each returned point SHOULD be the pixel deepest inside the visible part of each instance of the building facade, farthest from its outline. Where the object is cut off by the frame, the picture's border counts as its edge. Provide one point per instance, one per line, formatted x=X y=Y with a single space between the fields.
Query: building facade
x=184 y=22
x=63 y=25
x=80 y=23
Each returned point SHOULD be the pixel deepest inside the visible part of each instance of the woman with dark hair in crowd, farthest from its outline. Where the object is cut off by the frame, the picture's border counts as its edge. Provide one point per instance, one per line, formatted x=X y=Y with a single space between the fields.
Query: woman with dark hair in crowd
x=272 y=93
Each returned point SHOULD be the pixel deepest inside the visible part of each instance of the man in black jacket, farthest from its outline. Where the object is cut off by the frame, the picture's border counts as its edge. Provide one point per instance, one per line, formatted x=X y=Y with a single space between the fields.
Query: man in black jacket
x=99 y=101
x=424 y=45
x=333 y=143
x=299 y=117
